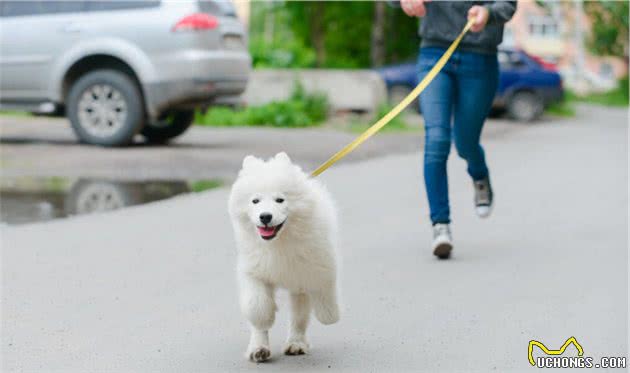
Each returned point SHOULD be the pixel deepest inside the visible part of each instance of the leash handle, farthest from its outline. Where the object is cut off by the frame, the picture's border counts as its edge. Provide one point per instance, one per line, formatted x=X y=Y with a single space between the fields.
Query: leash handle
x=439 y=65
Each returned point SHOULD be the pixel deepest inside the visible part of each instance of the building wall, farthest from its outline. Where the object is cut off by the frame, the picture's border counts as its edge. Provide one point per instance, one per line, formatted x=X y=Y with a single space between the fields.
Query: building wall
x=532 y=35
x=242 y=10
x=550 y=33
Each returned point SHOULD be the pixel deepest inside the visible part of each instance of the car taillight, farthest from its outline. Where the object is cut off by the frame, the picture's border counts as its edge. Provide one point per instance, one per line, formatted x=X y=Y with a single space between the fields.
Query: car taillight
x=544 y=64
x=196 y=22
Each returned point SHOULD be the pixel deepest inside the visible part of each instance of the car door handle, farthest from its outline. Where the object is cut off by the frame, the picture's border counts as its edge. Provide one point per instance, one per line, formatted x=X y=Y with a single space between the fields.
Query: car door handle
x=72 y=28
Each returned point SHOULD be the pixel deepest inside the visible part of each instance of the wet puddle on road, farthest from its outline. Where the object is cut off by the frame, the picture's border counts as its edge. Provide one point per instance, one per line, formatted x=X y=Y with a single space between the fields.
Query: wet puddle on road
x=27 y=200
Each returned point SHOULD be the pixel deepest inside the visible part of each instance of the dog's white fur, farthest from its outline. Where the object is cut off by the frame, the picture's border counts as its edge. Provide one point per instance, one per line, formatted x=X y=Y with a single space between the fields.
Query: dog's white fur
x=301 y=258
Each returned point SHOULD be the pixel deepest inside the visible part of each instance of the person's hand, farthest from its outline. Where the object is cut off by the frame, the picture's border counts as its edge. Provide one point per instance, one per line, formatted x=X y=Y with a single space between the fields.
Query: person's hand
x=414 y=8
x=480 y=15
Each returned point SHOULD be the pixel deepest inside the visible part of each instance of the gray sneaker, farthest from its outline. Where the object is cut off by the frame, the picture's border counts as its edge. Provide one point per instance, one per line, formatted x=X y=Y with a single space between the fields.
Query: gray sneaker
x=483 y=197
x=442 y=241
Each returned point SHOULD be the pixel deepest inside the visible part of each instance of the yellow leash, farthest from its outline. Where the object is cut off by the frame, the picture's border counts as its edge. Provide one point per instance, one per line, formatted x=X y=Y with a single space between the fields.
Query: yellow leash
x=396 y=110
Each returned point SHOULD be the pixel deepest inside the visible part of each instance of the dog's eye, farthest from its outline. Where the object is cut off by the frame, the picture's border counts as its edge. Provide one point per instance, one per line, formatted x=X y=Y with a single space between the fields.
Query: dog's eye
x=255 y=201
x=279 y=200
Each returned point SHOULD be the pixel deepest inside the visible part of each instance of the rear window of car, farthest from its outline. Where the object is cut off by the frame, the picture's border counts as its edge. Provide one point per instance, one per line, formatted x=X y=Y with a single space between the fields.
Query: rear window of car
x=121 y=5
x=510 y=60
x=28 y=8
x=218 y=7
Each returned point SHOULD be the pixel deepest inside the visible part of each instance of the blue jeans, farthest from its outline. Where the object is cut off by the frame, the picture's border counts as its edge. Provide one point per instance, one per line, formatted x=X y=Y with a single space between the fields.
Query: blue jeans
x=454 y=106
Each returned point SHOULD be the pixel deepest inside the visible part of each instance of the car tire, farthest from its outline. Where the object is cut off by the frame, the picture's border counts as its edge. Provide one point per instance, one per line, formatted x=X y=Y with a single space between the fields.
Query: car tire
x=171 y=124
x=496 y=112
x=525 y=106
x=90 y=196
x=105 y=107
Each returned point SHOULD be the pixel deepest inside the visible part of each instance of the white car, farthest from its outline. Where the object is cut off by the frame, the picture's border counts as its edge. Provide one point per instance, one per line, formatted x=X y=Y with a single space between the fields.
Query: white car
x=119 y=68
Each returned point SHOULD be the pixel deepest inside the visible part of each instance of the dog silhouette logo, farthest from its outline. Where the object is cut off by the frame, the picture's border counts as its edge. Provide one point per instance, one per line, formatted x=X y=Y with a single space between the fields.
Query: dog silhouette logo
x=560 y=351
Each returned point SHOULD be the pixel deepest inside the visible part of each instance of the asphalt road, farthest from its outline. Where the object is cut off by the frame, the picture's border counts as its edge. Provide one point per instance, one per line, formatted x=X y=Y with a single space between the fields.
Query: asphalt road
x=41 y=147
x=152 y=288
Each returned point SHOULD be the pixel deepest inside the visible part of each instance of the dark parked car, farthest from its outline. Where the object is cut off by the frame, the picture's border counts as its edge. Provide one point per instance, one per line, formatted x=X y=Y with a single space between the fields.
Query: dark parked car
x=526 y=85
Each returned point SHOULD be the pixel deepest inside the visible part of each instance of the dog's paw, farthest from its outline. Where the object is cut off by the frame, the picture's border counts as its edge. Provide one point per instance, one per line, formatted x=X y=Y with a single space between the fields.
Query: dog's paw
x=296 y=348
x=259 y=354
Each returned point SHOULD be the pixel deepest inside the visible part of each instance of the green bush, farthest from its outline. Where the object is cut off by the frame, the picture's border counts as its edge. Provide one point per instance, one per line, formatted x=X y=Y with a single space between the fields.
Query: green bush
x=300 y=110
x=622 y=87
x=315 y=104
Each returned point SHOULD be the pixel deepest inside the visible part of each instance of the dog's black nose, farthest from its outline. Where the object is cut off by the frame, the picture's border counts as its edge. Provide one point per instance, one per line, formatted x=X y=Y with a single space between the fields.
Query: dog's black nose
x=265 y=217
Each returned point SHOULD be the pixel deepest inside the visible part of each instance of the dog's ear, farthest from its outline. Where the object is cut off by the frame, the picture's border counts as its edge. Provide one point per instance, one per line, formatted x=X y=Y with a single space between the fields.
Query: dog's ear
x=250 y=161
x=282 y=157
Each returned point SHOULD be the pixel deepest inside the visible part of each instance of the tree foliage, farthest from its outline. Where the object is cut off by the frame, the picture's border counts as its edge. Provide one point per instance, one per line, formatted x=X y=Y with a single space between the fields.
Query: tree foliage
x=609 y=32
x=336 y=34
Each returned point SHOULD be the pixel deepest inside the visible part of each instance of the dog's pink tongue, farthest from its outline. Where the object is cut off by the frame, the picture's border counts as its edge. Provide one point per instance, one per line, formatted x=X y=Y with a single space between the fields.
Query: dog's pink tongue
x=266 y=231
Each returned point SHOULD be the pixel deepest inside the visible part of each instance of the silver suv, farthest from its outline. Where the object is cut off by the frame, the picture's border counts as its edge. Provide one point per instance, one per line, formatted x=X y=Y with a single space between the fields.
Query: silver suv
x=119 y=68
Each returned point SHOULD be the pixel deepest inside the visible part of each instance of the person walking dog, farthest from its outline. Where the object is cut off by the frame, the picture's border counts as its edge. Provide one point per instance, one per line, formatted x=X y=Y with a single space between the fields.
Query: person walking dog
x=456 y=103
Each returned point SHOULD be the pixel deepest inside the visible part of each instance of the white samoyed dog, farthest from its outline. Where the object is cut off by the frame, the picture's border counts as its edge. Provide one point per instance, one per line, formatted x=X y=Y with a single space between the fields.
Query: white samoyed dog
x=285 y=227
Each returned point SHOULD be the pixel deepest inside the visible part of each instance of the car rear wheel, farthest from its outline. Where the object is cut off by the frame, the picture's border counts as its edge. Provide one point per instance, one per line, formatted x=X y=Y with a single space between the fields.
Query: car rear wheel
x=525 y=106
x=90 y=196
x=105 y=108
x=171 y=124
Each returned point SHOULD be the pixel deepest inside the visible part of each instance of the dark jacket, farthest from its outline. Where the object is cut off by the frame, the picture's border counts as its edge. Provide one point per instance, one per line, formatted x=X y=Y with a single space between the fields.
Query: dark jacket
x=445 y=19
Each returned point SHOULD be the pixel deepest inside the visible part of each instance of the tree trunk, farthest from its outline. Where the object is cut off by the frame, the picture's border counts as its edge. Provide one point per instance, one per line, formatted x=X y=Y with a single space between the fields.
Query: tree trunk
x=269 y=25
x=377 y=47
x=317 y=31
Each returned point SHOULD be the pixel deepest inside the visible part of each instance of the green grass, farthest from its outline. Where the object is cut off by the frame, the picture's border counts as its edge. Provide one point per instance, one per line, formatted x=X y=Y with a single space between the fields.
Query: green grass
x=300 y=110
x=561 y=109
x=617 y=97
x=201 y=185
x=391 y=127
x=48 y=184
x=56 y=183
x=13 y=113
x=274 y=114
